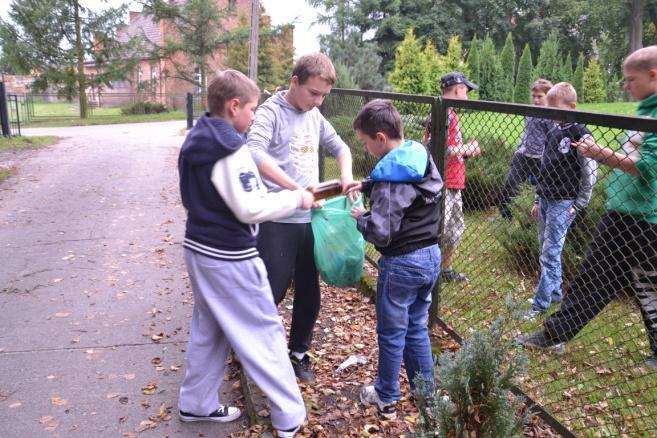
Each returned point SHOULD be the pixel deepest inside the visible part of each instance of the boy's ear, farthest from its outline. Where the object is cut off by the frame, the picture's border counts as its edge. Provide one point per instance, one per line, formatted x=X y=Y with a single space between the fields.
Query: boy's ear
x=232 y=105
x=381 y=136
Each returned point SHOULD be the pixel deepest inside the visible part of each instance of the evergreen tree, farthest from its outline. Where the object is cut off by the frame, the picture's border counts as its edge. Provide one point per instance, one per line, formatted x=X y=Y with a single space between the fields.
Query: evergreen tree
x=578 y=75
x=508 y=62
x=566 y=70
x=199 y=27
x=409 y=75
x=548 y=63
x=524 y=77
x=593 y=84
x=473 y=60
x=344 y=79
x=54 y=38
x=434 y=63
x=491 y=81
x=453 y=60
x=360 y=57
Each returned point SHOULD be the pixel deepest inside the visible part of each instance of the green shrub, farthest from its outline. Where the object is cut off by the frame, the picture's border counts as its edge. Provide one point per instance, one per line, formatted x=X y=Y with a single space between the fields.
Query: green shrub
x=473 y=397
x=520 y=238
x=485 y=174
x=362 y=162
x=144 y=108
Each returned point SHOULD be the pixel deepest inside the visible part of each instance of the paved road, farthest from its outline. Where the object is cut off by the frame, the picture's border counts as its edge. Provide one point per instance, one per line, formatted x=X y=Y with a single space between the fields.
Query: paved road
x=94 y=302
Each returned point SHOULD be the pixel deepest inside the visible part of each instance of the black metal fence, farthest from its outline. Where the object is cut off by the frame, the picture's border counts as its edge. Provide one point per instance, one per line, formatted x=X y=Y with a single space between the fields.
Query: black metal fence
x=10 y=123
x=600 y=386
x=35 y=107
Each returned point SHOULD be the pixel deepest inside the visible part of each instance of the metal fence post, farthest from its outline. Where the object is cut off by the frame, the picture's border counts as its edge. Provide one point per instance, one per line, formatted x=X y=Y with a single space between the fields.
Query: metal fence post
x=18 y=118
x=190 y=110
x=4 y=114
x=437 y=147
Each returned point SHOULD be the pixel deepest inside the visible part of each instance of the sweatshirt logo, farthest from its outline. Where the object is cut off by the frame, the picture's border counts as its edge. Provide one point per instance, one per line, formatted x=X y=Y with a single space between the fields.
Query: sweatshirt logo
x=248 y=179
x=564 y=145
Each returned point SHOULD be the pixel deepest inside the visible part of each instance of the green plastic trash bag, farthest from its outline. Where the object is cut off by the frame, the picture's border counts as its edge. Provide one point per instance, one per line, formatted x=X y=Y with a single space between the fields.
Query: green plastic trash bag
x=339 y=247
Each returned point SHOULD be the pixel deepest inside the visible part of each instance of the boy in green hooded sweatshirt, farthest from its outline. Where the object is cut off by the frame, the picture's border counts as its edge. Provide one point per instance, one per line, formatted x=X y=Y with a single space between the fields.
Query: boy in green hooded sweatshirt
x=623 y=253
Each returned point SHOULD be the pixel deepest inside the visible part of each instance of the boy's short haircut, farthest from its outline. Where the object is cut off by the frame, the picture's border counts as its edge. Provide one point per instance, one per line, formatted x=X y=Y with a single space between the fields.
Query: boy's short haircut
x=541 y=86
x=379 y=115
x=314 y=64
x=642 y=59
x=562 y=92
x=227 y=85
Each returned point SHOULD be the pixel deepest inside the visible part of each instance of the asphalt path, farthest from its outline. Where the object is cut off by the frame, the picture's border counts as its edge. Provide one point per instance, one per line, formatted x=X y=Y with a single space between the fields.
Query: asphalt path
x=94 y=298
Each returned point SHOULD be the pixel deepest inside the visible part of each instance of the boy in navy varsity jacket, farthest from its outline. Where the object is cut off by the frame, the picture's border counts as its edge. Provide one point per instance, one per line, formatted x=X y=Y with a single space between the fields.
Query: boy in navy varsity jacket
x=223 y=194
x=565 y=183
x=404 y=191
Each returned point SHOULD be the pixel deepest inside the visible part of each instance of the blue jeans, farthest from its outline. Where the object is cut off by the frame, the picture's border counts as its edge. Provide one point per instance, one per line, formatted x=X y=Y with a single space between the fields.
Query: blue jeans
x=403 y=298
x=553 y=223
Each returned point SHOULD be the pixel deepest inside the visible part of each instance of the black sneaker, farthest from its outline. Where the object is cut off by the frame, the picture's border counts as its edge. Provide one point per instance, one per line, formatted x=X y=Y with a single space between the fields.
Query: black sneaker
x=451 y=275
x=222 y=415
x=369 y=397
x=302 y=368
x=540 y=341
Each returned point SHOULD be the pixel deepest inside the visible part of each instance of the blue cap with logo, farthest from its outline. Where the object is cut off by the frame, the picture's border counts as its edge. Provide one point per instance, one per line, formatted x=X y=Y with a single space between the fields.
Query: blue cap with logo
x=456 y=77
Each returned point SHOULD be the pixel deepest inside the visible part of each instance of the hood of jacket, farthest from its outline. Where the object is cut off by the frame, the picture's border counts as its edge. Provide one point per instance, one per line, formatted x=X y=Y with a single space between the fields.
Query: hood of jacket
x=405 y=163
x=211 y=140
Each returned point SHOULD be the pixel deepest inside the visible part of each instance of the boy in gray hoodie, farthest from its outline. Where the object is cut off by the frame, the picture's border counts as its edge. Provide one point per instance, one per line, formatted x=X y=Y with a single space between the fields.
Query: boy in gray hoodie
x=284 y=141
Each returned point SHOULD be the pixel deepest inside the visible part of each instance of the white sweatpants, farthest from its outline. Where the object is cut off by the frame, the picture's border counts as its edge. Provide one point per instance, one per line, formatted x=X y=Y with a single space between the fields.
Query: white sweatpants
x=234 y=307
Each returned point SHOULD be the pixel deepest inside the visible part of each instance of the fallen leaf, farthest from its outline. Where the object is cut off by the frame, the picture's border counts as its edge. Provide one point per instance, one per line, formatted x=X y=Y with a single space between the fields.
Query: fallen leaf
x=62 y=314
x=15 y=405
x=129 y=376
x=150 y=388
x=58 y=401
x=146 y=424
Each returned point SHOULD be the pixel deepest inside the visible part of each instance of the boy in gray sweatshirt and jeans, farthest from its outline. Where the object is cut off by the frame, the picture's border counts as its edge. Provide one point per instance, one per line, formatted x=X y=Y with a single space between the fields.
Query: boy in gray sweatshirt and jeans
x=284 y=141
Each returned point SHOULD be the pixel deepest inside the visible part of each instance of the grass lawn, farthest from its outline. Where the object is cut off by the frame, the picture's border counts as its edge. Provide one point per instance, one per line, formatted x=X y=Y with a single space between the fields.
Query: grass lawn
x=96 y=119
x=19 y=143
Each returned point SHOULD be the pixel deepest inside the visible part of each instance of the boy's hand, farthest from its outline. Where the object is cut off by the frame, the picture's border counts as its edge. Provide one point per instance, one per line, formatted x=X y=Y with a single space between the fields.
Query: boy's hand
x=535 y=212
x=572 y=211
x=353 y=190
x=472 y=149
x=357 y=211
x=589 y=148
x=318 y=203
x=307 y=199
x=347 y=182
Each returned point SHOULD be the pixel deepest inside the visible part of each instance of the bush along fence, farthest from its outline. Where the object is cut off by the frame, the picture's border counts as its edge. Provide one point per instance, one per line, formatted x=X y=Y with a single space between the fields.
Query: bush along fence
x=599 y=385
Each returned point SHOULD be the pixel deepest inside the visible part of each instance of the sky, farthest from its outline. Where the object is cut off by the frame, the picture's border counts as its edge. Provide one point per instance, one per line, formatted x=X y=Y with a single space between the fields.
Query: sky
x=281 y=12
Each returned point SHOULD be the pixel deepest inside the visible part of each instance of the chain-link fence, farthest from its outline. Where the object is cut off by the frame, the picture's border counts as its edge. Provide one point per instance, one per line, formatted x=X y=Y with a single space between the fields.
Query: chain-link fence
x=600 y=385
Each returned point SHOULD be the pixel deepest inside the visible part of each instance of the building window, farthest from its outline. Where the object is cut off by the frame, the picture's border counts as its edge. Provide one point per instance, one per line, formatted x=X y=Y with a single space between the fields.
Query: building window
x=153 y=78
x=197 y=79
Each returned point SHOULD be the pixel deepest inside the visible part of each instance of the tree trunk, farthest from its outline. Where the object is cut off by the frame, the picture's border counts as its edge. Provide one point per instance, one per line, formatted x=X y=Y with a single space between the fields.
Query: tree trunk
x=79 y=49
x=636 y=24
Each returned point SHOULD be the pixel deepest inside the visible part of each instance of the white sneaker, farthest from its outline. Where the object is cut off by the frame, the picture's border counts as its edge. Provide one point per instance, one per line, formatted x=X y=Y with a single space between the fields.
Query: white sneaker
x=530 y=300
x=531 y=315
x=222 y=415
x=287 y=433
x=369 y=397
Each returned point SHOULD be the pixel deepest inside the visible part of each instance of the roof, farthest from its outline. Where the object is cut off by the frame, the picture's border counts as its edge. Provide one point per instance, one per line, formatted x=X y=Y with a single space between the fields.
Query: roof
x=141 y=26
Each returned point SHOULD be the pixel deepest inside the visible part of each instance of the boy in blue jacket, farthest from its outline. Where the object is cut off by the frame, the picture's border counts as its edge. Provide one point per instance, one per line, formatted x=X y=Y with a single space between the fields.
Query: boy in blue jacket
x=224 y=196
x=403 y=223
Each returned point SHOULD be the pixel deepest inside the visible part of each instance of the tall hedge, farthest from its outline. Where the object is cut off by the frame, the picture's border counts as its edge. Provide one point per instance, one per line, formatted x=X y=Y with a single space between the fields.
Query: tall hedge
x=473 y=60
x=593 y=84
x=548 y=62
x=410 y=73
x=491 y=82
x=578 y=75
x=508 y=62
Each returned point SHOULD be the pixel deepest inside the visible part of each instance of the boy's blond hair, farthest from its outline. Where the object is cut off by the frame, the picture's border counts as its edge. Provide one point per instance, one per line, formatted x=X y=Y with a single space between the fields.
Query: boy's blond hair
x=541 y=85
x=315 y=64
x=642 y=59
x=562 y=92
x=379 y=115
x=227 y=85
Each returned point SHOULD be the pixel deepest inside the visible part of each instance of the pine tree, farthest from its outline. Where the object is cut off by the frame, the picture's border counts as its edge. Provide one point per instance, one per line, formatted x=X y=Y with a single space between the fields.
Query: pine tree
x=566 y=70
x=491 y=82
x=524 y=77
x=508 y=62
x=435 y=67
x=453 y=60
x=593 y=84
x=578 y=75
x=473 y=60
x=410 y=74
x=548 y=63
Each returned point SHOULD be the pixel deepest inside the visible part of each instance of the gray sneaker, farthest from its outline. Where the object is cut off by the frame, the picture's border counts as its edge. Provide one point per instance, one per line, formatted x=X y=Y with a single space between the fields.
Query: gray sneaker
x=222 y=415
x=651 y=362
x=532 y=315
x=369 y=397
x=540 y=341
